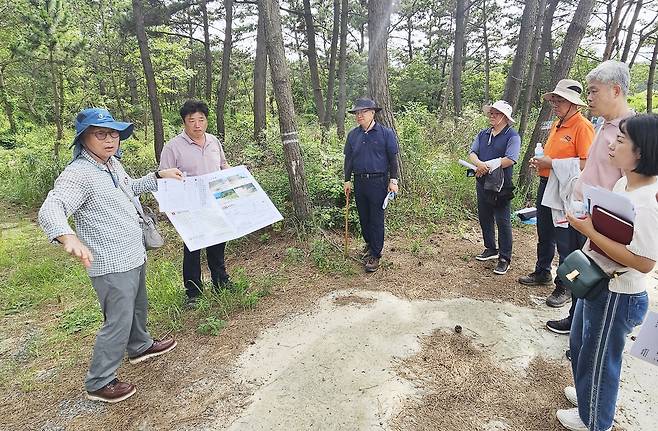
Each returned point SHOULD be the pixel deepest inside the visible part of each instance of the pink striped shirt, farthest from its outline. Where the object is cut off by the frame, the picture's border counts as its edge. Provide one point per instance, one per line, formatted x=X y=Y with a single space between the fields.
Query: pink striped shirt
x=182 y=153
x=598 y=170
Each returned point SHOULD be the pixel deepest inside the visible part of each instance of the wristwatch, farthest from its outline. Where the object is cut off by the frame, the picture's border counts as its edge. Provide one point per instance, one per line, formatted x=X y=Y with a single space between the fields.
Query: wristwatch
x=157 y=174
x=393 y=181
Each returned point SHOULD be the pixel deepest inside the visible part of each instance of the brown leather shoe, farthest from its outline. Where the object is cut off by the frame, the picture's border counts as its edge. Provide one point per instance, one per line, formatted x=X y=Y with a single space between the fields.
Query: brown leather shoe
x=372 y=264
x=113 y=392
x=157 y=348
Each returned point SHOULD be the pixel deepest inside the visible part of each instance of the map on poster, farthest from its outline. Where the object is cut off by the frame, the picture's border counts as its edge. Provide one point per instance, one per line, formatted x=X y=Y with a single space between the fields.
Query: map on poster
x=217 y=207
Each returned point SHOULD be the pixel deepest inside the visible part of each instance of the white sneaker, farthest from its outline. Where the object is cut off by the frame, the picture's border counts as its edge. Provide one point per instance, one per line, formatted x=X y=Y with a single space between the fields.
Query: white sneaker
x=570 y=393
x=570 y=419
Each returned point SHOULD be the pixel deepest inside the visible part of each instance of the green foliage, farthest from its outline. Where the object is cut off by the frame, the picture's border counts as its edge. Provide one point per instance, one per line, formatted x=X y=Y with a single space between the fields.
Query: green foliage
x=31 y=276
x=211 y=326
x=328 y=259
x=30 y=168
x=294 y=255
x=84 y=318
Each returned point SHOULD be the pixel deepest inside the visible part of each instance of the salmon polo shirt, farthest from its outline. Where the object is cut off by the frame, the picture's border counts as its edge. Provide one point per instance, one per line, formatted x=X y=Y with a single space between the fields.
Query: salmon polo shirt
x=192 y=159
x=570 y=139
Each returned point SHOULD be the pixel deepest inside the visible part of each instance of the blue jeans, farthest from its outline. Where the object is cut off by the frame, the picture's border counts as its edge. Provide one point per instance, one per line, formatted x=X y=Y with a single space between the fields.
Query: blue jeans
x=369 y=194
x=598 y=335
x=501 y=215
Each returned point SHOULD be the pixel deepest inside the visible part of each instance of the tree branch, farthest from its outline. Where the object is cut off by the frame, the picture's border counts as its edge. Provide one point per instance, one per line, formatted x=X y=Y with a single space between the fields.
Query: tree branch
x=166 y=33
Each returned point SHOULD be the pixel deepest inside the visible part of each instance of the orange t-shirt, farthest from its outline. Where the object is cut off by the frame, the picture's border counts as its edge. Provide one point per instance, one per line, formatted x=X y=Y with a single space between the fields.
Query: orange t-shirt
x=572 y=139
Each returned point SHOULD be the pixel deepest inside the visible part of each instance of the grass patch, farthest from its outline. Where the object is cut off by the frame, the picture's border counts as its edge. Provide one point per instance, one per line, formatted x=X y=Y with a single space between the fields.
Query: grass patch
x=328 y=259
x=33 y=272
x=214 y=307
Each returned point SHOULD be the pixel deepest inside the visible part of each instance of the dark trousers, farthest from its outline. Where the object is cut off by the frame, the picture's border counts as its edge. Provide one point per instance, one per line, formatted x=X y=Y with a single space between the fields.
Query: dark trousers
x=491 y=216
x=369 y=194
x=550 y=237
x=192 y=268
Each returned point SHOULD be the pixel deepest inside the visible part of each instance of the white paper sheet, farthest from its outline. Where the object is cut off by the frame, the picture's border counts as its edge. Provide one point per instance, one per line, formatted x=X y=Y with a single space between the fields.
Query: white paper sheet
x=237 y=206
x=494 y=164
x=187 y=195
x=646 y=343
x=615 y=203
x=466 y=164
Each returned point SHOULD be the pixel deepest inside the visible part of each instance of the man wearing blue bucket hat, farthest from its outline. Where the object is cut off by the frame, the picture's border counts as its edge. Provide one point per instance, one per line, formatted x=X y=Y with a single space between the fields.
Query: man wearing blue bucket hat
x=98 y=193
x=371 y=155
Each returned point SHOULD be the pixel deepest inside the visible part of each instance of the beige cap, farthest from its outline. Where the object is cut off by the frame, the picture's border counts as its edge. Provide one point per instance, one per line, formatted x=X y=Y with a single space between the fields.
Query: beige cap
x=501 y=106
x=568 y=89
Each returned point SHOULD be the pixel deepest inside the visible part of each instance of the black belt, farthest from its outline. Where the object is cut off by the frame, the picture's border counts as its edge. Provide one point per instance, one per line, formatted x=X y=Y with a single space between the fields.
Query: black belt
x=375 y=175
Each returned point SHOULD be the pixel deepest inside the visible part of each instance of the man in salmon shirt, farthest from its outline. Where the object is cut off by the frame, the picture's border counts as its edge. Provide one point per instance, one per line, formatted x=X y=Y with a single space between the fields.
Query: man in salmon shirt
x=607 y=88
x=196 y=152
x=570 y=137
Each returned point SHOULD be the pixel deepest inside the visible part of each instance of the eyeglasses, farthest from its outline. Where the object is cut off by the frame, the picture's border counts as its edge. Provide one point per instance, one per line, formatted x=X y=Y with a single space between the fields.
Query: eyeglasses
x=558 y=101
x=101 y=135
x=362 y=112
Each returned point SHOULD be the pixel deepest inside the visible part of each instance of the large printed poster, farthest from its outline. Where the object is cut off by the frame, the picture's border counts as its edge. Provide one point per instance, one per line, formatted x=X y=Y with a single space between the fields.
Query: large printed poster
x=217 y=207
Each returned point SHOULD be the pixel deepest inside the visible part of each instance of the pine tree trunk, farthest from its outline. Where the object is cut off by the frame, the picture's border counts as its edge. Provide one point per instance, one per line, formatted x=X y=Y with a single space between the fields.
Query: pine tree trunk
x=6 y=103
x=516 y=73
x=379 y=20
x=260 y=80
x=458 y=56
x=55 y=81
x=612 y=29
x=287 y=125
x=222 y=88
x=152 y=89
x=533 y=70
x=342 y=71
x=331 y=79
x=487 y=58
x=629 y=32
x=574 y=35
x=206 y=50
x=652 y=74
x=312 y=55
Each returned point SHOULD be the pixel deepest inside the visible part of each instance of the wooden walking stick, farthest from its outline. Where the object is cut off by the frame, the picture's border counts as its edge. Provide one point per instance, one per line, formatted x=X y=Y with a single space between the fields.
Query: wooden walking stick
x=347 y=211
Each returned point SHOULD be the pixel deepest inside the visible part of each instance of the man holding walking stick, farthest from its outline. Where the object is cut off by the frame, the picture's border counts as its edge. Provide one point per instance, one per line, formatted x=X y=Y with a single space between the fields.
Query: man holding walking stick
x=371 y=155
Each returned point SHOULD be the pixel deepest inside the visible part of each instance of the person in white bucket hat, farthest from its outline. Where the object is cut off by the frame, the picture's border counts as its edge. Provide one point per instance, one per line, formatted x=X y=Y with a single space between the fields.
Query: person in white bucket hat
x=570 y=137
x=494 y=152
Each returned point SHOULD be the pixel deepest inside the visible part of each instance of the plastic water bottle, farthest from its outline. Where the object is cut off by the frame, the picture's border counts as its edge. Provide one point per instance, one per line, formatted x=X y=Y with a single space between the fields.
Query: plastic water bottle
x=539 y=150
x=578 y=209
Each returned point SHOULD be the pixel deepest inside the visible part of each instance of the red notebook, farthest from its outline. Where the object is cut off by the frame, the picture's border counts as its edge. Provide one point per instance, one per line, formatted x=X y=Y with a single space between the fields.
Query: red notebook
x=611 y=226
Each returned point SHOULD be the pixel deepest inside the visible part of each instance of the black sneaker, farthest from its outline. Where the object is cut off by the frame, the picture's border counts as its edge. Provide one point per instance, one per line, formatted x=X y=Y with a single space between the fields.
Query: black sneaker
x=568 y=355
x=536 y=279
x=487 y=254
x=562 y=326
x=560 y=296
x=501 y=267
x=191 y=301
x=224 y=284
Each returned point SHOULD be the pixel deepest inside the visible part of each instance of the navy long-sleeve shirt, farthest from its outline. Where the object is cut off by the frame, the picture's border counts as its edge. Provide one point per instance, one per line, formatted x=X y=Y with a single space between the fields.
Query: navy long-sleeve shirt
x=374 y=151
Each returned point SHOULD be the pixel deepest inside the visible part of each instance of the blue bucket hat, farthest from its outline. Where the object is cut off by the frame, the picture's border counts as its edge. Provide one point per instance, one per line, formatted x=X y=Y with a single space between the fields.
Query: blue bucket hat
x=101 y=118
x=364 y=103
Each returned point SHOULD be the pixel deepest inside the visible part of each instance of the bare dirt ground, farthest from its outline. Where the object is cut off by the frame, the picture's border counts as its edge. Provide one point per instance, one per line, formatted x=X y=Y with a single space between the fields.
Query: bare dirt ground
x=273 y=367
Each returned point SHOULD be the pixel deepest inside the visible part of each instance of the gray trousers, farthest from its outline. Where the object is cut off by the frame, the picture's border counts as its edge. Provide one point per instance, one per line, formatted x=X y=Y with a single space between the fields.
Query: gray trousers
x=122 y=297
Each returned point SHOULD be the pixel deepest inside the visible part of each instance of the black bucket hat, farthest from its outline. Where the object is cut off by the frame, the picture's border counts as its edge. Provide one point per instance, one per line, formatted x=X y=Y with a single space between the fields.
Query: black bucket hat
x=364 y=103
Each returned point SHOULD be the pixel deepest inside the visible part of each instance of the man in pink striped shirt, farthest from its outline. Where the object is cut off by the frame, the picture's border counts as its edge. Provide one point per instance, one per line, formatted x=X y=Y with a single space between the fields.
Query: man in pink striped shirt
x=607 y=88
x=196 y=152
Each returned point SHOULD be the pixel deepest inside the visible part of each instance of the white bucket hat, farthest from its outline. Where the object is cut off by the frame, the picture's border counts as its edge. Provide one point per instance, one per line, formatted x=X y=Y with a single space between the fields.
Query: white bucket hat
x=501 y=106
x=568 y=89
